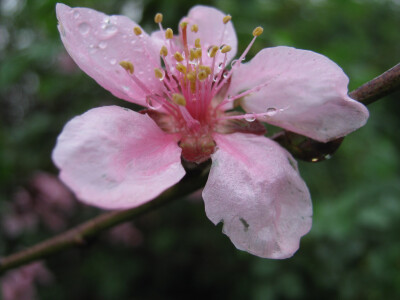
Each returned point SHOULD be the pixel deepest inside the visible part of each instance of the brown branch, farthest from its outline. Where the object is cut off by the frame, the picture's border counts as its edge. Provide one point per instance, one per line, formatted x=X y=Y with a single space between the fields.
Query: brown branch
x=371 y=91
x=77 y=236
x=378 y=87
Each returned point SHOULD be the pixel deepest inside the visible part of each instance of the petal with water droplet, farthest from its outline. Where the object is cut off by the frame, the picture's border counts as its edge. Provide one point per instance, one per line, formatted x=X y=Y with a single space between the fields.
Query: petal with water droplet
x=308 y=90
x=85 y=32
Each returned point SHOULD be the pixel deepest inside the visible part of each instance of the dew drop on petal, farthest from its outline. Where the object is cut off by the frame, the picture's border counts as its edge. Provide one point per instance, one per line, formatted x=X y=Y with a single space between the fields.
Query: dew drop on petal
x=84 y=28
x=271 y=111
x=250 y=118
x=113 y=61
x=103 y=45
x=151 y=104
x=126 y=88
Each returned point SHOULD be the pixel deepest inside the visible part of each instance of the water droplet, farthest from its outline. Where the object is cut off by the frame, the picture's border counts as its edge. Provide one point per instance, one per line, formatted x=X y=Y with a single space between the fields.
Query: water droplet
x=126 y=88
x=220 y=66
x=225 y=75
x=250 y=118
x=113 y=61
x=84 y=28
x=328 y=156
x=209 y=51
x=233 y=62
x=222 y=46
x=271 y=111
x=215 y=78
x=110 y=29
x=154 y=105
x=103 y=45
x=163 y=76
x=76 y=14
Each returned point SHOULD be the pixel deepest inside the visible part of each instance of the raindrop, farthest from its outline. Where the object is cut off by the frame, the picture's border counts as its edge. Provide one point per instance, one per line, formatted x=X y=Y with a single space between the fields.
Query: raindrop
x=103 y=45
x=110 y=29
x=225 y=75
x=113 y=61
x=84 y=28
x=220 y=66
x=209 y=51
x=222 y=46
x=250 y=118
x=76 y=14
x=271 y=111
x=234 y=62
x=328 y=156
x=163 y=75
x=215 y=78
x=152 y=104
x=126 y=88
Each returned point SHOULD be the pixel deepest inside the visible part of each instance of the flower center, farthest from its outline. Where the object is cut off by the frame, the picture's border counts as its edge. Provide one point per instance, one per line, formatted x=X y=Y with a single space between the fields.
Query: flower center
x=193 y=91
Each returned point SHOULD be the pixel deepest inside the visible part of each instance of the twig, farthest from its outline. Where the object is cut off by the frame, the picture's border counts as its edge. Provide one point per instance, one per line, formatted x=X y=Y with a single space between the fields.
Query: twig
x=378 y=87
x=371 y=91
x=79 y=235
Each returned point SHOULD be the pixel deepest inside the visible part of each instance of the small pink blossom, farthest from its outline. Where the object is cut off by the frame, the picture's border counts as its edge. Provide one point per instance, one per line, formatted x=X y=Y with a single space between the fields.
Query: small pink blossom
x=19 y=284
x=116 y=158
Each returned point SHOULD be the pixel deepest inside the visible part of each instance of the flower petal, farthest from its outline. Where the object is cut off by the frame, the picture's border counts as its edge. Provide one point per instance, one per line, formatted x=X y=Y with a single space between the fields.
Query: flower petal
x=116 y=158
x=306 y=93
x=98 y=42
x=255 y=189
x=212 y=31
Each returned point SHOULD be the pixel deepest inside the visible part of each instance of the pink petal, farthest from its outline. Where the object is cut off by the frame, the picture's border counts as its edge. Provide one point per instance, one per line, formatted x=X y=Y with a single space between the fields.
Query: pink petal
x=212 y=31
x=255 y=189
x=115 y=158
x=98 y=42
x=305 y=92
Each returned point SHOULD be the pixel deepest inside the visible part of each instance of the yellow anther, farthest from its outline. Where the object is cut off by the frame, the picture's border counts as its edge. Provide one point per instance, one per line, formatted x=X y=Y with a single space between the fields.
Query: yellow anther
x=213 y=51
x=198 y=52
x=191 y=76
x=184 y=24
x=193 y=86
x=137 y=30
x=207 y=69
x=178 y=99
x=192 y=55
x=226 y=49
x=226 y=19
x=197 y=43
x=258 y=31
x=169 y=34
x=164 y=51
x=158 y=73
x=195 y=28
x=128 y=66
x=178 y=56
x=181 y=68
x=202 y=75
x=158 y=18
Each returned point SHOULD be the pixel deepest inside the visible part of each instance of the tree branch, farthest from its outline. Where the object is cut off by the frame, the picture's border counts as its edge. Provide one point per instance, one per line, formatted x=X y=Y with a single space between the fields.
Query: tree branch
x=194 y=179
x=371 y=91
x=383 y=85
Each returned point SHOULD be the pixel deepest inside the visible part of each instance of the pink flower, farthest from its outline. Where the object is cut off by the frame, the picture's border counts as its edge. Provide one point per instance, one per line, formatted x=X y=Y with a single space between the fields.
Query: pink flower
x=116 y=158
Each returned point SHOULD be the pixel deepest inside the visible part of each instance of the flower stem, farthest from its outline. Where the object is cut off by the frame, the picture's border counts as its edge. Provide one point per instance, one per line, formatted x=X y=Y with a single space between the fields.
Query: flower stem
x=196 y=178
x=77 y=236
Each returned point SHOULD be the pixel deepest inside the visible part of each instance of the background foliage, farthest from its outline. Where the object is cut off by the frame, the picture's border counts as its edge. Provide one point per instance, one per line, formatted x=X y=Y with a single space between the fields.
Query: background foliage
x=353 y=249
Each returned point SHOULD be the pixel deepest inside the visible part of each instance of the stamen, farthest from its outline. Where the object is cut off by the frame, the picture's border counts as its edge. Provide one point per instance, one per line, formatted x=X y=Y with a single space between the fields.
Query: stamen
x=226 y=49
x=184 y=25
x=159 y=73
x=226 y=19
x=258 y=31
x=137 y=30
x=191 y=76
x=202 y=75
x=195 y=28
x=178 y=99
x=197 y=43
x=164 y=51
x=181 y=68
x=169 y=34
x=213 y=51
x=199 y=53
x=158 y=18
x=207 y=69
x=178 y=56
x=192 y=55
x=128 y=66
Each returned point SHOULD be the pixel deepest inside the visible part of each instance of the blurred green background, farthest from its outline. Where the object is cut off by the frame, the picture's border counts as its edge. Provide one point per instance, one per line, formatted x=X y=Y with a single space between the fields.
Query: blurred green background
x=353 y=249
